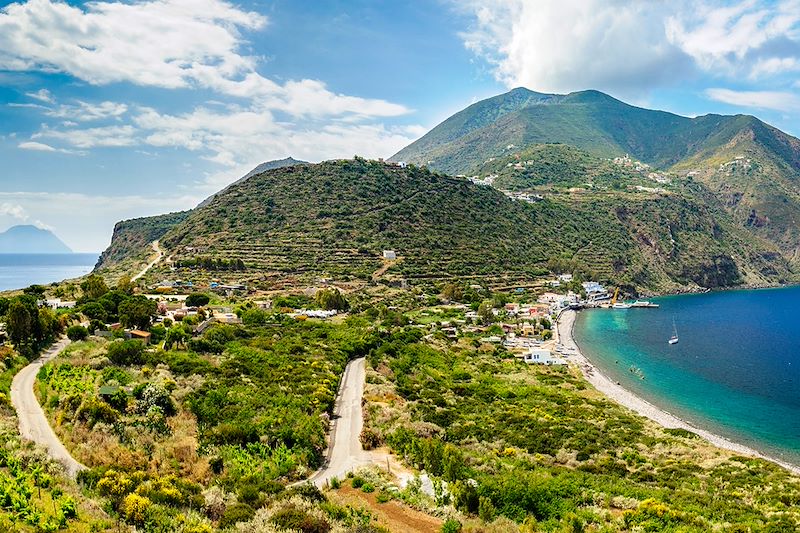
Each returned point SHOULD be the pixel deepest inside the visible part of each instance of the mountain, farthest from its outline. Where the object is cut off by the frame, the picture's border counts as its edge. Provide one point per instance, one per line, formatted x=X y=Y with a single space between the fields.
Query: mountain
x=263 y=167
x=29 y=239
x=334 y=219
x=752 y=168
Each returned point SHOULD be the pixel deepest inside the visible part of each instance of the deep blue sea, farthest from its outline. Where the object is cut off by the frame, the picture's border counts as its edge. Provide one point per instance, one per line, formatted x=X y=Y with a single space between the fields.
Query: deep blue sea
x=18 y=271
x=735 y=370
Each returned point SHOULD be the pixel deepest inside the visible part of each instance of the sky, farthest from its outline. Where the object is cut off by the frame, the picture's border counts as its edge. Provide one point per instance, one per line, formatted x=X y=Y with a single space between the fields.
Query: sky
x=115 y=109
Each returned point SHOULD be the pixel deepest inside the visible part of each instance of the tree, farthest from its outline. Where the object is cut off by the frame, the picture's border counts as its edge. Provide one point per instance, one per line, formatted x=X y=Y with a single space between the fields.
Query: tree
x=137 y=312
x=453 y=292
x=94 y=311
x=176 y=336
x=485 y=312
x=19 y=324
x=77 y=333
x=331 y=299
x=125 y=285
x=94 y=287
x=197 y=299
x=126 y=353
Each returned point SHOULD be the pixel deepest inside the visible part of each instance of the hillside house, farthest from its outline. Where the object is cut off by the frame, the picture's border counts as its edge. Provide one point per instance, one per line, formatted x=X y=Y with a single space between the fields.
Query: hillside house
x=390 y=255
x=542 y=356
x=139 y=335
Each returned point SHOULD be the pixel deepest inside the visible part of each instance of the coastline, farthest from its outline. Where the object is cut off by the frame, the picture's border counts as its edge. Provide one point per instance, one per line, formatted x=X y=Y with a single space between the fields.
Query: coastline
x=622 y=396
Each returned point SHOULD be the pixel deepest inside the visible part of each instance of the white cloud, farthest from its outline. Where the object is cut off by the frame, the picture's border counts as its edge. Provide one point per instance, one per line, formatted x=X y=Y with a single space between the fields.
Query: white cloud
x=42 y=147
x=35 y=146
x=14 y=211
x=566 y=45
x=776 y=100
x=42 y=95
x=178 y=44
x=732 y=38
x=85 y=112
x=105 y=136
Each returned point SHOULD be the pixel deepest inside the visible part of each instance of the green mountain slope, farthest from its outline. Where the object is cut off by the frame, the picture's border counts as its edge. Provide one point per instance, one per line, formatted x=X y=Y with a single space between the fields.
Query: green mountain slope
x=336 y=218
x=131 y=239
x=762 y=195
x=556 y=166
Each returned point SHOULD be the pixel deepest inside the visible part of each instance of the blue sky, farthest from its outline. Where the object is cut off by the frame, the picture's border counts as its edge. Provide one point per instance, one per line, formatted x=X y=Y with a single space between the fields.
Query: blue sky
x=116 y=109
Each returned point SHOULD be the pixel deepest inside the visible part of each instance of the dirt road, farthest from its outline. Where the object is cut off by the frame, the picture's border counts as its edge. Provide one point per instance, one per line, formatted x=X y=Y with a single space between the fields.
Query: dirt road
x=344 y=450
x=33 y=424
x=151 y=264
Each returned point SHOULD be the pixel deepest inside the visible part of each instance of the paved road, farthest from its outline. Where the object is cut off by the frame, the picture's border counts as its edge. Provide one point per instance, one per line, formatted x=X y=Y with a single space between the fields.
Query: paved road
x=151 y=264
x=344 y=450
x=33 y=424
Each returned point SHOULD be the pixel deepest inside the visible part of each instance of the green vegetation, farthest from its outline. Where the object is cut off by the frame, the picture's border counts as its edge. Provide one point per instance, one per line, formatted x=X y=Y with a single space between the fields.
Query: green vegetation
x=536 y=446
x=336 y=218
x=558 y=166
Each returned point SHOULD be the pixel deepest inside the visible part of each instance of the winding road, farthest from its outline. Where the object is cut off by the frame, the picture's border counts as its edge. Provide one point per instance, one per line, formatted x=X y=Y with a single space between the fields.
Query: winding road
x=344 y=449
x=151 y=264
x=33 y=424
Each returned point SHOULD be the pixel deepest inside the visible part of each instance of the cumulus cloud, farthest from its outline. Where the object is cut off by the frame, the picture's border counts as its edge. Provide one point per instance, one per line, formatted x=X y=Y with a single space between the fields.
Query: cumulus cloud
x=776 y=100
x=14 y=211
x=104 y=136
x=179 y=44
x=565 y=45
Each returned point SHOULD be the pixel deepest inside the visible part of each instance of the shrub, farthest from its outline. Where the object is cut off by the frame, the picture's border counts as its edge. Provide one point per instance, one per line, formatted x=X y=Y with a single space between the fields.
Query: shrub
x=357 y=482
x=296 y=519
x=239 y=512
x=451 y=525
x=197 y=299
x=368 y=487
x=134 y=508
x=77 y=333
x=124 y=353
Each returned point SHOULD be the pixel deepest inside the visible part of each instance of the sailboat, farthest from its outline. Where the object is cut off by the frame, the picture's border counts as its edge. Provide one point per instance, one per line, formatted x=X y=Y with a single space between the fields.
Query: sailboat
x=674 y=338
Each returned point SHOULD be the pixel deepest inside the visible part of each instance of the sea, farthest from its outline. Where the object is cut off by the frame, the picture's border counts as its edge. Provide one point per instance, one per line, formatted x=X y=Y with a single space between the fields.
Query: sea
x=18 y=271
x=735 y=370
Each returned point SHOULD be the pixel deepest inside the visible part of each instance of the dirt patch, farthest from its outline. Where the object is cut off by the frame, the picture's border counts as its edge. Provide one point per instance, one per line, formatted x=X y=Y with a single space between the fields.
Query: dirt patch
x=393 y=515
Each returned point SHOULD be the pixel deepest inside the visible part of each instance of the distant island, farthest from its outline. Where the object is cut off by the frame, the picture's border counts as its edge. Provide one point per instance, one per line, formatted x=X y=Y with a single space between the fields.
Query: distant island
x=28 y=239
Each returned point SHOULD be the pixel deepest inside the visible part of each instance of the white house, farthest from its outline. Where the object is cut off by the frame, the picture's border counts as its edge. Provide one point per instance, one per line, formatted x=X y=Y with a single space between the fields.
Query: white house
x=389 y=254
x=566 y=278
x=541 y=356
x=57 y=303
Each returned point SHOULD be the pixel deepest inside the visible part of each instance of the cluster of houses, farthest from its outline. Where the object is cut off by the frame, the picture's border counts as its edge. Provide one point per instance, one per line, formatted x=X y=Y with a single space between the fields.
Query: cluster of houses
x=595 y=295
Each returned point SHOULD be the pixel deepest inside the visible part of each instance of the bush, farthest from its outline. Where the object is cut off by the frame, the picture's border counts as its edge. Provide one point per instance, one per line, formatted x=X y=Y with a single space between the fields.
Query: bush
x=125 y=353
x=368 y=487
x=135 y=507
x=357 y=482
x=239 y=512
x=77 y=333
x=451 y=525
x=197 y=299
x=296 y=519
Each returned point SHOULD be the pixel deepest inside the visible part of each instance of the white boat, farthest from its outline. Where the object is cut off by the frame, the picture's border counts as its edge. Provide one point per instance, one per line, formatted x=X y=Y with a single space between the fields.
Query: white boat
x=674 y=338
x=621 y=305
x=643 y=303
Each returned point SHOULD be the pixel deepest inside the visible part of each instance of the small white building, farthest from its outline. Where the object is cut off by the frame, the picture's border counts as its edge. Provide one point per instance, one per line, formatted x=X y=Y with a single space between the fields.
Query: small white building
x=565 y=278
x=389 y=254
x=542 y=356
x=57 y=303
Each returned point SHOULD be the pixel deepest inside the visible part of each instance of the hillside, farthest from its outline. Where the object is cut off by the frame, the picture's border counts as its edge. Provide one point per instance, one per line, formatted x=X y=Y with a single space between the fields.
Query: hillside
x=31 y=240
x=334 y=219
x=263 y=167
x=556 y=166
x=131 y=239
x=751 y=167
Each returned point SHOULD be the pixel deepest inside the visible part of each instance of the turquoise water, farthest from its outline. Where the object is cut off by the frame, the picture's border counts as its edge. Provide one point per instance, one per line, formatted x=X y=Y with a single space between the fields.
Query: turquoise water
x=735 y=371
x=18 y=271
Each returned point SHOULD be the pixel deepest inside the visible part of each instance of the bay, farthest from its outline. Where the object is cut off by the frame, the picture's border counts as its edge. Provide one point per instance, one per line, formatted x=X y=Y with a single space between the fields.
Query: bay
x=735 y=371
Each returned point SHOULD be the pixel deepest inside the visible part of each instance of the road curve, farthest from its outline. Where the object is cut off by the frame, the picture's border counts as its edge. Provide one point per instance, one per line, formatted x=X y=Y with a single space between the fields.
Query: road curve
x=33 y=424
x=345 y=453
x=151 y=264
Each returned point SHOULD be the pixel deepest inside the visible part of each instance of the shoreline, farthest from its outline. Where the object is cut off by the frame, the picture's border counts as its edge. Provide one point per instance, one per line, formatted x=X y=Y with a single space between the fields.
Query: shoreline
x=622 y=396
